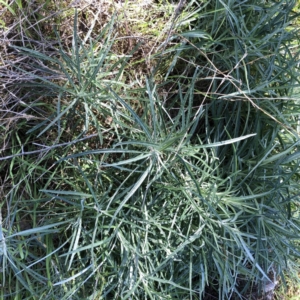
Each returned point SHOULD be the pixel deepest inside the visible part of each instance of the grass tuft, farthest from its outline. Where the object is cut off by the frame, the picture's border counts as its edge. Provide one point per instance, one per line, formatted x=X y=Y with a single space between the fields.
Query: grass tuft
x=149 y=159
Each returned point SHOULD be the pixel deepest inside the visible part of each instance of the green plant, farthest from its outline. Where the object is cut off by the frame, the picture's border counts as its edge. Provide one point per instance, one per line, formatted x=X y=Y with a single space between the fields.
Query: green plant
x=182 y=188
x=246 y=77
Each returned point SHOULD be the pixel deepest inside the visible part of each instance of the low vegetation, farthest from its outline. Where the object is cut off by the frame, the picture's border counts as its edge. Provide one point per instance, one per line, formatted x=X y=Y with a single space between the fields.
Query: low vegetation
x=149 y=150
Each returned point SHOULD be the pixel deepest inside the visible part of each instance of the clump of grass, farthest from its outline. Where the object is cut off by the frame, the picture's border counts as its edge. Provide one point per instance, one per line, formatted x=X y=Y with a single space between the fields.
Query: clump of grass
x=247 y=75
x=182 y=188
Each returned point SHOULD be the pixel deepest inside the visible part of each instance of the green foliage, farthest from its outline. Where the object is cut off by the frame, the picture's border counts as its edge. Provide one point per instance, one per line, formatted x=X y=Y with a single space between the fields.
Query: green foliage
x=178 y=189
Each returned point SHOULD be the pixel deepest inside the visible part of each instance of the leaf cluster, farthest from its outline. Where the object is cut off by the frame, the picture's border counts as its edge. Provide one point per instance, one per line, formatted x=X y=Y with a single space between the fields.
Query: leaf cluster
x=183 y=186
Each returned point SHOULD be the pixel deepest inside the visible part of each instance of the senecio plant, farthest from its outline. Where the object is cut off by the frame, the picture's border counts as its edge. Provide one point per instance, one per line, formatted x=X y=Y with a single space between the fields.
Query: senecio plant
x=182 y=184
